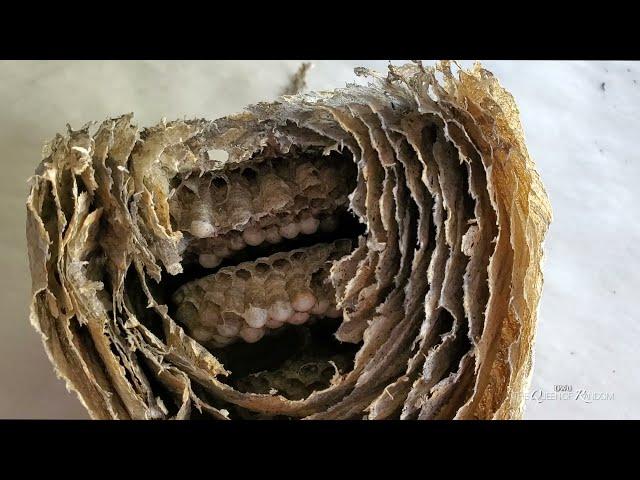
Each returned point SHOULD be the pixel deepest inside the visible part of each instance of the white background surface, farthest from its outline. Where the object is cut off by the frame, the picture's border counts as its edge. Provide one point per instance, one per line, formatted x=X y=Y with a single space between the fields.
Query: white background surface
x=581 y=133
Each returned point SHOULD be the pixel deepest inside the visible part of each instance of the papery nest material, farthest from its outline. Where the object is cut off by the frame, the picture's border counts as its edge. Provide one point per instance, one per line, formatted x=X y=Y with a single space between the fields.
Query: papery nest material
x=436 y=294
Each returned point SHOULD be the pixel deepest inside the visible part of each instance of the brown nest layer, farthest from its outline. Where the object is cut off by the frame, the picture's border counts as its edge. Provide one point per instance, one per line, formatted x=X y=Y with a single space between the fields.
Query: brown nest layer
x=372 y=252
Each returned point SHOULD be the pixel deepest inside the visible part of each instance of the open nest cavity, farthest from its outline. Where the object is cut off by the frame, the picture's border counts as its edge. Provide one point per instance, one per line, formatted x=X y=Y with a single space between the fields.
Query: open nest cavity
x=372 y=252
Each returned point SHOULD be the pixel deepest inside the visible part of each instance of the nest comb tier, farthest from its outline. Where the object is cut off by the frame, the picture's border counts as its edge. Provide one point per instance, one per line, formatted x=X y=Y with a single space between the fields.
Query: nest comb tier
x=372 y=252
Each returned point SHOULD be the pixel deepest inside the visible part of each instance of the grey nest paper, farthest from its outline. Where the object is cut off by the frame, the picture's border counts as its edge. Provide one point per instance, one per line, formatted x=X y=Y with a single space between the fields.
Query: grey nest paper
x=372 y=252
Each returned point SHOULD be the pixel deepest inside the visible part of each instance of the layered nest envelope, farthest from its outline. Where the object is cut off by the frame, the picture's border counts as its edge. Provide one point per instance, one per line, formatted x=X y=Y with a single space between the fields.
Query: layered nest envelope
x=372 y=252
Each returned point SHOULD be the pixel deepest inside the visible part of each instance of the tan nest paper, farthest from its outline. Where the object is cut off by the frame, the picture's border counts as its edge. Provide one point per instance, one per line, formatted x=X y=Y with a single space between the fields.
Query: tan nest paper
x=370 y=252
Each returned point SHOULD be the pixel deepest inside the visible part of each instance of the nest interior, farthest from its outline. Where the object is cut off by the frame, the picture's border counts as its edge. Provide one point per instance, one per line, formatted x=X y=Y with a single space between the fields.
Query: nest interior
x=371 y=252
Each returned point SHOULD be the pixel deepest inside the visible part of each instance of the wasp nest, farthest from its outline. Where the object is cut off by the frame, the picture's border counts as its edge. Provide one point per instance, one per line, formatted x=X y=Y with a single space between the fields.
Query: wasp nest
x=371 y=252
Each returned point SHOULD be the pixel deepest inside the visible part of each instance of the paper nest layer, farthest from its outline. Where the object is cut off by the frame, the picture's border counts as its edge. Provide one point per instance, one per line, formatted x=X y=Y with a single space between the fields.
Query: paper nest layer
x=170 y=281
